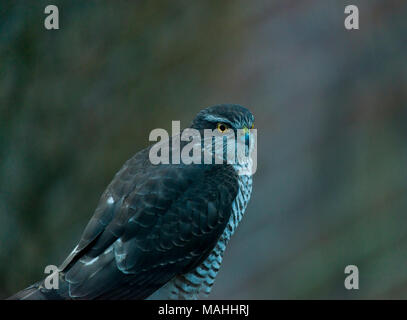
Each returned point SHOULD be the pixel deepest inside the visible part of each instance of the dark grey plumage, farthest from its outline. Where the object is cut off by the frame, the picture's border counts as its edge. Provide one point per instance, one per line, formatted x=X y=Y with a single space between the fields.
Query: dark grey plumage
x=159 y=231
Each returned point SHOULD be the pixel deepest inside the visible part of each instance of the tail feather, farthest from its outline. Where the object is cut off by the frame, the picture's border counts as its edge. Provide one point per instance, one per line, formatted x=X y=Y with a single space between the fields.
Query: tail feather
x=36 y=292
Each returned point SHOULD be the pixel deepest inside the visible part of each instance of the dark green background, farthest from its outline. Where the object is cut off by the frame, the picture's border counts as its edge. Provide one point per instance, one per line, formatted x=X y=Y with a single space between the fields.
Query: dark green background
x=330 y=108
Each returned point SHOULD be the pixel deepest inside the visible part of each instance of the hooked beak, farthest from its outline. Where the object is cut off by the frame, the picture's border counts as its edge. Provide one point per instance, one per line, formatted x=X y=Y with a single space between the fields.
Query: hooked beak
x=246 y=131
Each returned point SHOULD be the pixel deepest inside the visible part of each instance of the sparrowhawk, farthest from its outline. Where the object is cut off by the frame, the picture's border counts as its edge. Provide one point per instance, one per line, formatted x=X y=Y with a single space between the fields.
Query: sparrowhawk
x=159 y=231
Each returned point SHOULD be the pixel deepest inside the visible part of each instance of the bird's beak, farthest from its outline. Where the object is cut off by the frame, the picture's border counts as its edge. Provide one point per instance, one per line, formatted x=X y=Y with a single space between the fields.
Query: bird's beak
x=246 y=131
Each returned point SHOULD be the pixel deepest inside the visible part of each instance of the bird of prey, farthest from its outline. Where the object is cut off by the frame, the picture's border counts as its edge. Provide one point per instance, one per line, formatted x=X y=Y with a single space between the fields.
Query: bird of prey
x=159 y=231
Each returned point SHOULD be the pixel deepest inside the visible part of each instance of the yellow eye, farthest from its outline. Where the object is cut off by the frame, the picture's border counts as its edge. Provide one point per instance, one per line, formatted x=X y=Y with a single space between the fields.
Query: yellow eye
x=222 y=128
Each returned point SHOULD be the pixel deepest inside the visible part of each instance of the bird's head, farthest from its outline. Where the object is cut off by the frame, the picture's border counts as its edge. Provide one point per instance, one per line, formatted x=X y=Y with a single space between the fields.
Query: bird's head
x=230 y=121
x=223 y=117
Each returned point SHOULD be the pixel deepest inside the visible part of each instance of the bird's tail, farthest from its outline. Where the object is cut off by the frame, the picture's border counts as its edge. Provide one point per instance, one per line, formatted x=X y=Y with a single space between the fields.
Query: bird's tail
x=36 y=292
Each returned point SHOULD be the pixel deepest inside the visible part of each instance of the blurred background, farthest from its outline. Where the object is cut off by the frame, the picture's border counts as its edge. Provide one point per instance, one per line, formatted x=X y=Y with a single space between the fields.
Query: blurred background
x=330 y=108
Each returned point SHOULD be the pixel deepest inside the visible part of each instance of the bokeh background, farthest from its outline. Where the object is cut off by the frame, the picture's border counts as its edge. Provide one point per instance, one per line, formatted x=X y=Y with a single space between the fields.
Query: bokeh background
x=330 y=108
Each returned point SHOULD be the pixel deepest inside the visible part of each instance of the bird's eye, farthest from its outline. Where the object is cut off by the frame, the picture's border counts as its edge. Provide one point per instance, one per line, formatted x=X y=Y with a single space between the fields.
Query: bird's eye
x=222 y=128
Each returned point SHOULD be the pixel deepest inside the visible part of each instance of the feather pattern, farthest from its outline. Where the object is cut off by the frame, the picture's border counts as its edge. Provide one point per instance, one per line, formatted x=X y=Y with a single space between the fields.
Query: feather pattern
x=198 y=282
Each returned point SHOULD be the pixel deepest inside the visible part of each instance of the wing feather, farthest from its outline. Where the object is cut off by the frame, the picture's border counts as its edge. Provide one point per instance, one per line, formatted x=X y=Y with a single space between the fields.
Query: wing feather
x=164 y=222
